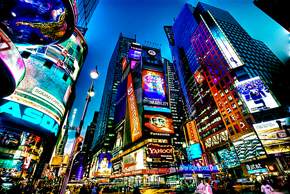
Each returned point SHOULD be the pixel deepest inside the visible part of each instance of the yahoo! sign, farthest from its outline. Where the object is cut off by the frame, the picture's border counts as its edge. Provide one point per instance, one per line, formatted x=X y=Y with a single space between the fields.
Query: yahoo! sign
x=160 y=153
x=21 y=115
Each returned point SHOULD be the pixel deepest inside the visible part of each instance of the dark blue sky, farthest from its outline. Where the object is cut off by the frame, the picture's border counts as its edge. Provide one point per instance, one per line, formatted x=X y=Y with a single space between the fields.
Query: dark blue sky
x=146 y=18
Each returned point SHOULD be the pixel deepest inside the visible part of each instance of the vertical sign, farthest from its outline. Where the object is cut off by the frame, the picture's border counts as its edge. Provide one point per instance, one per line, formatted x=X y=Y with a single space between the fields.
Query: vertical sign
x=124 y=63
x=192 y=133
x=133 y=111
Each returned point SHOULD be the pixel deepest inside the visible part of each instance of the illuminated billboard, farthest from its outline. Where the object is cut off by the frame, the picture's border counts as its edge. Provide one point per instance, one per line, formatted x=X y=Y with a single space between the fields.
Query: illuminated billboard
x=228 y=158
x=136 y=132
x=119 y=141
x=134 y=161
x=25 y=117
x=154 y=88
x=192 y=132
x=37 y=22
x=124 y=63
x=199 y=77
x=104 y=165
x=194 y=151
x=158 y=125
x=269 y=132
x=160 y=153
x=134 y=54
x=256 y=95
x=249 y=147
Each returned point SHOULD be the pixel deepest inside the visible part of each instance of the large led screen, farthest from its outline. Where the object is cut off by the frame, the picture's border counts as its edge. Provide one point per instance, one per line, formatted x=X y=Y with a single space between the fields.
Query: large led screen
x=160 y=153
x=104 y=165
x=249 y=147
x=154 y=88
x=229 y=158
x=134 y=161
x=158 y=125
x=274 y=135
x=256 y=95
x=194 y=151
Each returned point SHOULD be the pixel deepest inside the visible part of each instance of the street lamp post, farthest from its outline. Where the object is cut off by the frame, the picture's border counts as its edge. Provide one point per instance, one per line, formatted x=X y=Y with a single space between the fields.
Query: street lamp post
x=94 y=74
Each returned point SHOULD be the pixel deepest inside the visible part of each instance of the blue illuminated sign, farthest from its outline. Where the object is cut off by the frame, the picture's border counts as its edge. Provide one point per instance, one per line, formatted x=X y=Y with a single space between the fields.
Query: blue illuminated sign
x=198 y=169
x=158 y=109
x=195 y=151
x=27 y=117
x=257 y=171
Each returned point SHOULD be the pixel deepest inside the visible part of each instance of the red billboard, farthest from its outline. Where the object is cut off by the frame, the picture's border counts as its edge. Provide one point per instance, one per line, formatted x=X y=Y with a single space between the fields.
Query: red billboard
x=158 y=123
x=124 y=63
x=136 y=132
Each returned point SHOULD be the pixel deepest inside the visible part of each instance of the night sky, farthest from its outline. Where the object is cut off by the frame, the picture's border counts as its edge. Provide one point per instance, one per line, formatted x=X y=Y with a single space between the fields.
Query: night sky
x=146 y=18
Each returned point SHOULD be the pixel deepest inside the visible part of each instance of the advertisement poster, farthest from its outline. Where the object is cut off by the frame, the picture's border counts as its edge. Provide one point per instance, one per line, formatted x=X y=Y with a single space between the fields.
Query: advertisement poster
x=256 y=95
x=249 y=147
x=135 y=54
x=154 y=88
x=192 y=132
x=104 y=165
x=228 y=158
x=160 y=153
x=199 y=77
x=194 y=151
x=119 y=140
x=134 y=161
x=274 y=135
x=136 y=132
x=158 y=124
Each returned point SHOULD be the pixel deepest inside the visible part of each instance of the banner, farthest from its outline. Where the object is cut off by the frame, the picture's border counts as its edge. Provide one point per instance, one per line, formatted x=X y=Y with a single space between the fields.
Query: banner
x=192 y=132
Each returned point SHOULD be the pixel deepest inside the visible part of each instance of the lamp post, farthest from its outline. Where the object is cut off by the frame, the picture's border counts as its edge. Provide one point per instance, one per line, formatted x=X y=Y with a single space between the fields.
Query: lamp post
x=94 y=74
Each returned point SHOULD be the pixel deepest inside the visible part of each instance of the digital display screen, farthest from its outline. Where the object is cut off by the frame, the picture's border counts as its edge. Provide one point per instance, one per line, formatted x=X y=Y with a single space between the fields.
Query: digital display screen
x=160 y=153
x=104 y=165
x=134 y=54
x=195 y=151
x=154 y=88
x=134 y=161
x=229 y=158
x=158 y=123
x=256 y=95
x=249 y=147
x=274 y=135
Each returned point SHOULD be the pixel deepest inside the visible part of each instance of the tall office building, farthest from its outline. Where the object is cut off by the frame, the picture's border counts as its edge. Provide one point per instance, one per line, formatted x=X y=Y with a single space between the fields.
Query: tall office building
x=226 y=77
x=277 y=10
x=105 y=122
x=178 y=108
x=88 y=144
x=85 y=10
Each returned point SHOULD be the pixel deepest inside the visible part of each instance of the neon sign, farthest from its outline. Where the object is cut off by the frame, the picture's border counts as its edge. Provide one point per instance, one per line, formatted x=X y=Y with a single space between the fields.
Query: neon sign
x=30 y=115
x=199 y=169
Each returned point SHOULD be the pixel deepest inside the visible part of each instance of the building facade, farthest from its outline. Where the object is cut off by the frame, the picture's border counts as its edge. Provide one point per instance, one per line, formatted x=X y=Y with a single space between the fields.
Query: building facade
x=227 y=79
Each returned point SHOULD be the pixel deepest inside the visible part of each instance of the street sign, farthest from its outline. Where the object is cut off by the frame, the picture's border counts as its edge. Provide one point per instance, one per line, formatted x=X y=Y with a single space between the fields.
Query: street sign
x=71 y=127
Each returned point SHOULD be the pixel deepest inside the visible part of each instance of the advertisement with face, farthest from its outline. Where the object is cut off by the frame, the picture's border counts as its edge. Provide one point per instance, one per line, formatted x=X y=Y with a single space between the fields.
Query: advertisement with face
x=154 y=88
x=158 y=124
x=104 y=165
x=249 y=147
x=256 y=95
x=274 y=135
x=134 y=161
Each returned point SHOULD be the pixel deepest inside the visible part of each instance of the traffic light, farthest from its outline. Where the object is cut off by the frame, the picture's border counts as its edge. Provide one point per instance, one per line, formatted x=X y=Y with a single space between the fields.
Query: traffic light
x=78 y=144
x=65 y=159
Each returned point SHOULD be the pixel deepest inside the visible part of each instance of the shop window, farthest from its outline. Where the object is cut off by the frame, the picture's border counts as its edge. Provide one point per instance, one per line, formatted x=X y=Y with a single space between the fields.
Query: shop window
x=243 y=125
x=240 y=103
x=215 y=57
x=227 y=79
x=48 y=64
x=224 y=72
x=233 y=119
x=222 y=94
x=231 y=86
x=65 y=76
x=238 y=115
x=224 y=62
x=211 y=84
x=218 y=62
x=235 y=95
x=216 y=71
x=211 y=61
x=25 y=54
x=218 y=87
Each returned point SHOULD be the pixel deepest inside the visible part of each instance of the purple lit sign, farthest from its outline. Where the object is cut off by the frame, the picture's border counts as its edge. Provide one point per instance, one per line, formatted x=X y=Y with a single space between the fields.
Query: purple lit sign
x=135 y=55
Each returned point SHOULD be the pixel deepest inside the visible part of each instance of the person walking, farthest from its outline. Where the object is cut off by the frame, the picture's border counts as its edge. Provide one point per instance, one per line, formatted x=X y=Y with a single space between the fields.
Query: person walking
x=266 y=188
x=208 y=189
x=257 y=186
x=200 y=189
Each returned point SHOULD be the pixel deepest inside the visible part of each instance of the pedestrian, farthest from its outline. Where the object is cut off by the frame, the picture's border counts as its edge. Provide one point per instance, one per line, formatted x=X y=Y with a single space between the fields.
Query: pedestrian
x=266 y=188
x=208 y=189
x=257 y=186
x=200 y=189
x=136 y=191
x=215 y=188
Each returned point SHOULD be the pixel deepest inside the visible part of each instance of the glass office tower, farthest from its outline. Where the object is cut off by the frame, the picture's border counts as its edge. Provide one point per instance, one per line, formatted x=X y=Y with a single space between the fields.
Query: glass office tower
x=226 y=78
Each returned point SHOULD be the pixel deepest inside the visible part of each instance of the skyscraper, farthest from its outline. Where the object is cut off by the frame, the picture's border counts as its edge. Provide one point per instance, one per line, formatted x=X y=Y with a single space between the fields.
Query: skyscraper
x=86 y=9
x=105 y=122
x=226 y=78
